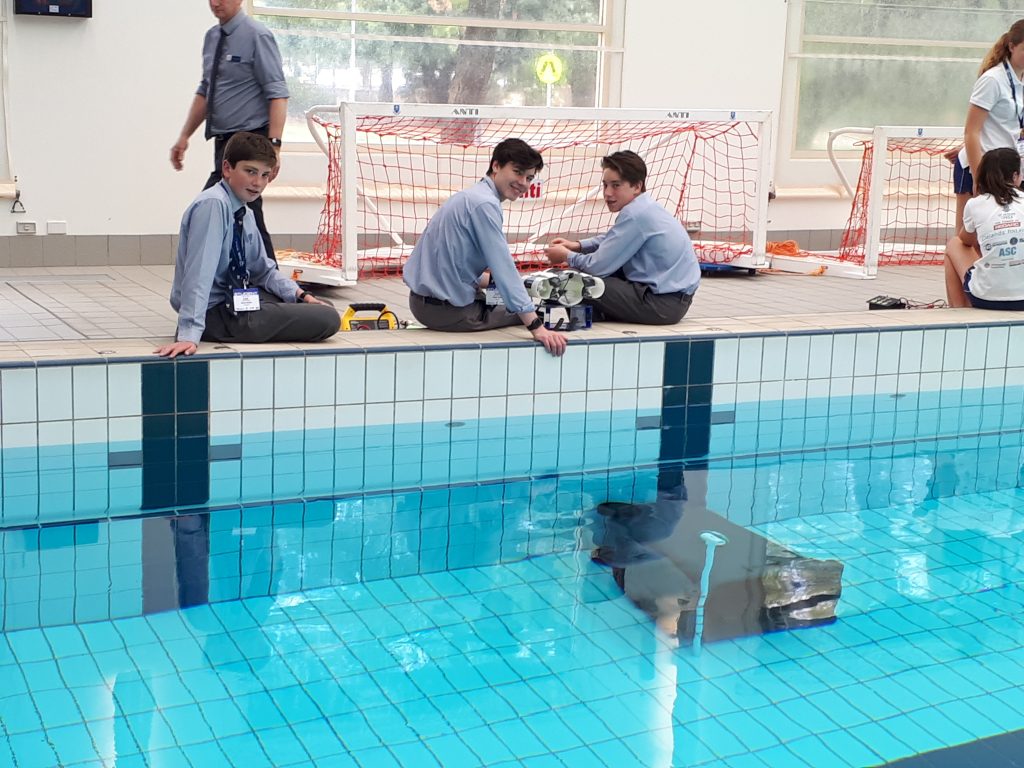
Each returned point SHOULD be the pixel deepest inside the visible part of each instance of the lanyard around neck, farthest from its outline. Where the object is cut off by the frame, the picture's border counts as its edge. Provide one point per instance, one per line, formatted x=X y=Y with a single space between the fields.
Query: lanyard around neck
x=1019 y=113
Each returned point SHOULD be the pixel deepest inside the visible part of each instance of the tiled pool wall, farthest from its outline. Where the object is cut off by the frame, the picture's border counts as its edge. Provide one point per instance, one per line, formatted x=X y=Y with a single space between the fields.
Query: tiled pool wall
x=120 y=567
x=320 y=434
x=81 y=441
x=863 y=420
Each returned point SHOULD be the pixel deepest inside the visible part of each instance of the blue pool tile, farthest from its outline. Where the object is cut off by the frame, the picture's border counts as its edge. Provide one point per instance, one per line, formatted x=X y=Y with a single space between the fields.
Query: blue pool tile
x=1007 y=718
x=972 y=719
x=354 y=731
x=414 y=754
x=375 y=756
x=224 y=718
x=783 y=726
x=542 y=761
x=522 y=698
x=330 y=698
x=319 y=739
x=131 y=761
x=29 y=645
x=135 y=631
x=93 y=702
x=688 y=748
x=621 y=722
x=910 y=733
x=741 y=761
x=880 y=741
x=398 y=686
x=281 y=745
x=205 y=753
x=294 y=704
x=582 y=721
x=550 y=729
x=73 y=743
x=18 y=715
x=246 y=751
x=260 y=710
x=57 y=707
x=714 y=734
x=188 y=724
x=32 y=749
x=483 y=742
x=274 y=673
x=517 y=737
x=814 y=750
x=750 y=732
x=238 y=678
x=337 y=761
x=390 y=725
x=65 y=641
x=42 y=675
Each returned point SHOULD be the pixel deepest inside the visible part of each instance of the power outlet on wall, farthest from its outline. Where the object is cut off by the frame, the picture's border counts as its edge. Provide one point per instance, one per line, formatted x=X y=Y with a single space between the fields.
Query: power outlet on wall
x=26 y=227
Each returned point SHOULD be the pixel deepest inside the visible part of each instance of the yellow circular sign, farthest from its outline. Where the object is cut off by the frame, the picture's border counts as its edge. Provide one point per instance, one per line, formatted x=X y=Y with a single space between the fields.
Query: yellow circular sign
x=549 y=69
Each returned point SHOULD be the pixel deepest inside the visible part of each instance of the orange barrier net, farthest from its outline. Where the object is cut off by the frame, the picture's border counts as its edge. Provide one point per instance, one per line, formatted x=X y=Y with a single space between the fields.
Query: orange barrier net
x=408 y=166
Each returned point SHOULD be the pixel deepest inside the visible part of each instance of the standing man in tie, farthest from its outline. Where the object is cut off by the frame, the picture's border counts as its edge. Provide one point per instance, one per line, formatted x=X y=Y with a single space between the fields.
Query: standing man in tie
x=242 y=89
x=225 y=288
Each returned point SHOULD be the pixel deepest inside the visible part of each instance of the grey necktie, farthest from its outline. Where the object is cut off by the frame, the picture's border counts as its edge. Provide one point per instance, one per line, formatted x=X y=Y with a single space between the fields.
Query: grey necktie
x=218 y=54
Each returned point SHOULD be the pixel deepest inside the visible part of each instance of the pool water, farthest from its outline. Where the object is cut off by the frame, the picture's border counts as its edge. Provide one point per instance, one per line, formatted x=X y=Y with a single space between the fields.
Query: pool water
x=470 y=625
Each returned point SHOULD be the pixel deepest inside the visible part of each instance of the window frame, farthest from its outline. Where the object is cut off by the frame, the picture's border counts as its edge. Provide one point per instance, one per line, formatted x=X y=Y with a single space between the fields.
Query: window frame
x=609 y=31
x=789 y=108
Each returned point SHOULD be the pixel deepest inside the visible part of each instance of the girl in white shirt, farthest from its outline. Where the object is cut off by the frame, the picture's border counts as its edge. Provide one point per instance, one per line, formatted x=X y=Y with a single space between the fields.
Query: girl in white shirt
x=985 y=261
x=995 y=115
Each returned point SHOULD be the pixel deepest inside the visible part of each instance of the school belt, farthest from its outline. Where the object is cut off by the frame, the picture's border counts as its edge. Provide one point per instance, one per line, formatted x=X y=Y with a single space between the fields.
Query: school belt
x=431 y=300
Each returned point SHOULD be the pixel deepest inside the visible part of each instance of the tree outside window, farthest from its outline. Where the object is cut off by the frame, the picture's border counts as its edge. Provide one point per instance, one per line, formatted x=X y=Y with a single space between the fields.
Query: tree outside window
x=430 y=51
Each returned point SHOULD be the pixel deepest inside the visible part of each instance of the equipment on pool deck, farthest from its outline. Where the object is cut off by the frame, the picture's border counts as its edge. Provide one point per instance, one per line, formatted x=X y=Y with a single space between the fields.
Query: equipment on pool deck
x=370 y=316
x=559 y=294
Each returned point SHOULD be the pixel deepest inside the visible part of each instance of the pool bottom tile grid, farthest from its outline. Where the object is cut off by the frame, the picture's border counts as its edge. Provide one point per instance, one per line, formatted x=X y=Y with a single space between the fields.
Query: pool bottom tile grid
x=545 y=662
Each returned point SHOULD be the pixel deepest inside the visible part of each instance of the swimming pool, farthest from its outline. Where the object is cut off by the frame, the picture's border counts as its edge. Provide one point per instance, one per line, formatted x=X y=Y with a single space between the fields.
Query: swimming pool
x=457 y=616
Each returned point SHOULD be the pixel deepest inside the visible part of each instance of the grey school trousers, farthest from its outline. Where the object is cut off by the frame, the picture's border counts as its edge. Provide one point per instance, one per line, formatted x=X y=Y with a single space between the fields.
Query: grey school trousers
x=275 y=320
x=441 y=316
x=626 y=302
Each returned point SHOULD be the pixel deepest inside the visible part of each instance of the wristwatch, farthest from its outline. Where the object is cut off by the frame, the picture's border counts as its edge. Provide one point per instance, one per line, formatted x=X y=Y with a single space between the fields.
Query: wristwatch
x=302 y=295
x=538 y=321
x=276 y=143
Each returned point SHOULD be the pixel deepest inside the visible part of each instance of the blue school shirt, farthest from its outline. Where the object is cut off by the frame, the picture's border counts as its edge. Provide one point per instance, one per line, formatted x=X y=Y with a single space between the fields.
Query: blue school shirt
x=648 y=244
x=460 y=241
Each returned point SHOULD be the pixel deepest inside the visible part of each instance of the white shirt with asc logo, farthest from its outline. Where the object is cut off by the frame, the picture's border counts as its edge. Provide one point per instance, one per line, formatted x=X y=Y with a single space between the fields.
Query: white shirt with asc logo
x=999 y=274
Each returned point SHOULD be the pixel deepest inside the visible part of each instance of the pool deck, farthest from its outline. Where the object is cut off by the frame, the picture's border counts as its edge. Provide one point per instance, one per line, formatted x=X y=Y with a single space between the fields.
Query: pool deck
x=75 y=313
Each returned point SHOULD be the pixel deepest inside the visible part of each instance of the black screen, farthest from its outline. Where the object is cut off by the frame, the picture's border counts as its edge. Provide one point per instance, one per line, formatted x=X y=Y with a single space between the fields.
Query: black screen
x=54 y=7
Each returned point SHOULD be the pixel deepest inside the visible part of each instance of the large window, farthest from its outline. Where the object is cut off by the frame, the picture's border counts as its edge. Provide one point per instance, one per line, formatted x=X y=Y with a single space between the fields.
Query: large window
x=888 y=62
x=439 y=51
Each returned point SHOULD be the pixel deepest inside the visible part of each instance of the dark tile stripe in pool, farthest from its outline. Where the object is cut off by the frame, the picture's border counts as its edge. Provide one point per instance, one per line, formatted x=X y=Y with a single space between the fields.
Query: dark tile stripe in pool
x=1003 y=751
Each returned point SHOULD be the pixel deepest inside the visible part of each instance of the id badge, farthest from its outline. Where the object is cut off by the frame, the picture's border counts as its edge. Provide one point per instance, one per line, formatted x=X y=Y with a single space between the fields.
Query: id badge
x=492 y=296
x=246 y=299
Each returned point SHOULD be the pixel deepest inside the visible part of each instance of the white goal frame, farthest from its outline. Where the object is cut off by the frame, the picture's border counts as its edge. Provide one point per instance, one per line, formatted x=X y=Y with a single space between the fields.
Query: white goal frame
x=879 y=136
x=347 y=114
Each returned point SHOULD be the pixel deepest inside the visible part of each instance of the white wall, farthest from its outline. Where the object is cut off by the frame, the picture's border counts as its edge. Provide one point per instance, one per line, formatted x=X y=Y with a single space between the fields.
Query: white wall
x=726 y=54
x=96 y=104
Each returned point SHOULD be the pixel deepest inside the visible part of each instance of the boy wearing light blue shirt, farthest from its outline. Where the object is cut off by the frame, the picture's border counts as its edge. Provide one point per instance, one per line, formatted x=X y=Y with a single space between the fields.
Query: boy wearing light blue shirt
x=647 y=260
x=464 y=245
x=225 y=287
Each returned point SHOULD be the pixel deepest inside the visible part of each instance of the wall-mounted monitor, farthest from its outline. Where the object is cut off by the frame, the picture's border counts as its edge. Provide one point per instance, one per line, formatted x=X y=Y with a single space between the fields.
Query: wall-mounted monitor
x=80 y=8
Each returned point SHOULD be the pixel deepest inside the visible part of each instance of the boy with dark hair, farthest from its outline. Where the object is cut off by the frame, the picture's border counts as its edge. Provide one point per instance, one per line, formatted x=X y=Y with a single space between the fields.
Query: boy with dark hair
x=225 y=288
x=462 y=241
x=647 y=261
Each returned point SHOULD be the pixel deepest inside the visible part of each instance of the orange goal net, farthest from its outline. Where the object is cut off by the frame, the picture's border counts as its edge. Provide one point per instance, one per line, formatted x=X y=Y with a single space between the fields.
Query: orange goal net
x=391 y=167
